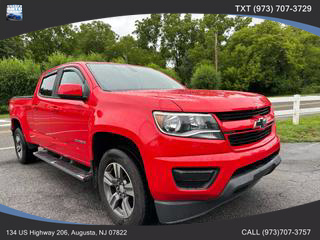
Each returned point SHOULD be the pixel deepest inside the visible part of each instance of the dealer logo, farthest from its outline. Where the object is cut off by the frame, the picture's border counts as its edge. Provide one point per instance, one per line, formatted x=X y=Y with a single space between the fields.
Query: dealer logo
x=260 y=123
x=14 y=12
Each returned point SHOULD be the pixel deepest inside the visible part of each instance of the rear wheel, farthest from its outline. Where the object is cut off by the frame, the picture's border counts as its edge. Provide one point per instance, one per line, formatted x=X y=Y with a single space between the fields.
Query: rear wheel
x=23 y=151
x=122 y=189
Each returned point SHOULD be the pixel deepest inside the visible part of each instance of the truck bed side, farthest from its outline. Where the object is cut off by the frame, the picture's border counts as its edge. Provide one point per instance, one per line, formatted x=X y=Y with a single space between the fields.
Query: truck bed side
x=20 y=109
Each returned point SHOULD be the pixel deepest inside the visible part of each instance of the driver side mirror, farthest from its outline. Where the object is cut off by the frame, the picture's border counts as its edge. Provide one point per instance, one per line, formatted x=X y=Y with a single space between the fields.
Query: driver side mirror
x=71 y=91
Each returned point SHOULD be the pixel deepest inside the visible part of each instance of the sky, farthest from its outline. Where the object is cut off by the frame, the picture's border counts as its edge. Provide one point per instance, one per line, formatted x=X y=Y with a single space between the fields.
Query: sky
x=125 y=25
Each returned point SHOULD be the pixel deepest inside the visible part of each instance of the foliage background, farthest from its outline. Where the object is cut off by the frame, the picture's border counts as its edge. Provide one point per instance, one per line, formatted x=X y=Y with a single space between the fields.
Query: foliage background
x=268 y=58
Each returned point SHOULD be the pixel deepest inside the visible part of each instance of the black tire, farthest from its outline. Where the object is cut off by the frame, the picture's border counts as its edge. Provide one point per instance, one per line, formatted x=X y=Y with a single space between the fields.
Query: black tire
x=23 y=151
x=142 y=205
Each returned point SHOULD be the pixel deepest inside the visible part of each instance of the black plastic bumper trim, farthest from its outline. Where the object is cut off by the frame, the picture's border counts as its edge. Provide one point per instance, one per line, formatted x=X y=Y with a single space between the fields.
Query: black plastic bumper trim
x=194 y=178
x=179 y=211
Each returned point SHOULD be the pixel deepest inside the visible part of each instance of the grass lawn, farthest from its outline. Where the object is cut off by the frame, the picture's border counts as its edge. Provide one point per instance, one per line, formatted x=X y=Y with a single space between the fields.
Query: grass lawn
x=308 y=129
x=4 y=115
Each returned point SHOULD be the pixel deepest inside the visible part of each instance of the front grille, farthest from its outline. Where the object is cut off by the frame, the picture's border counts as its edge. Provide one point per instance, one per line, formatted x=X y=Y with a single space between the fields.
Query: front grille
x=241 y=115
x=249 y=137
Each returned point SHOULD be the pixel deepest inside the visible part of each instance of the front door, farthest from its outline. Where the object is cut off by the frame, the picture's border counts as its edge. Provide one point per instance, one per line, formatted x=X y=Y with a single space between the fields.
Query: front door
x=71 y=124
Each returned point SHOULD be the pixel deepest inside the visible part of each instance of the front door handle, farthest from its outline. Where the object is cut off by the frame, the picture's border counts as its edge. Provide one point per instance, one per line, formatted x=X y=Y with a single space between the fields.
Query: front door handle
x=54 y=108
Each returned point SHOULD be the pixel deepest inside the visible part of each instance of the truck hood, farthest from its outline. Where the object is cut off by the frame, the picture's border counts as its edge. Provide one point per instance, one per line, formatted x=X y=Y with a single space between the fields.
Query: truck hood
x=189 y=100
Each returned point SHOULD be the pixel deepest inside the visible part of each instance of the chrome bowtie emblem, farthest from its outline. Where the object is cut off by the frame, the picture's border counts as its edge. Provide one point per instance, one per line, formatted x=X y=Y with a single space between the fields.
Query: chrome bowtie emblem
x=261 y=123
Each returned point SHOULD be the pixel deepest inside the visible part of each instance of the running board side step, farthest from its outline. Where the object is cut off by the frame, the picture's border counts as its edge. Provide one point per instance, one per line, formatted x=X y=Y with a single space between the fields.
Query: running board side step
x=66 y=167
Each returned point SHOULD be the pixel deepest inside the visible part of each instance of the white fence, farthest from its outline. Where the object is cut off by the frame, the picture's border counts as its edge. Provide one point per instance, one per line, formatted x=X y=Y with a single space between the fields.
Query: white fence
x=4 y=123
x=296 y=111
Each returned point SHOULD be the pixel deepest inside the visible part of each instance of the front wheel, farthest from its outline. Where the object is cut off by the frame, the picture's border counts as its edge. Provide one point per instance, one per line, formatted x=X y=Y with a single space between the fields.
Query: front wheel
x=122 y=189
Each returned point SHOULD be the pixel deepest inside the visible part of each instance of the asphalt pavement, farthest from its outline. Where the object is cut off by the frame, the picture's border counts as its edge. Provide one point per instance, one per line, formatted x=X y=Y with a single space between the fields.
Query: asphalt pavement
x=42 y=190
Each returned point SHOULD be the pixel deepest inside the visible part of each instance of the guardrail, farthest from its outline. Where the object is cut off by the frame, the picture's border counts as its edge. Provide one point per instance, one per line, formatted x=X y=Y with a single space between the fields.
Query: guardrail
x=296 y=111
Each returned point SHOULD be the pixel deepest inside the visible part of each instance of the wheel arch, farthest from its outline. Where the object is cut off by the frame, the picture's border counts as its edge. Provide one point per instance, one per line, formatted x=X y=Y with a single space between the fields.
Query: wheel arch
x=103 y=141
x=15 y=123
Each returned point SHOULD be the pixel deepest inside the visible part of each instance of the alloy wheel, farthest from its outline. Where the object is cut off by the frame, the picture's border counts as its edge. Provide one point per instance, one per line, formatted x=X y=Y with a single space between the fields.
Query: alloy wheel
x=19 y=146
x=119 y=190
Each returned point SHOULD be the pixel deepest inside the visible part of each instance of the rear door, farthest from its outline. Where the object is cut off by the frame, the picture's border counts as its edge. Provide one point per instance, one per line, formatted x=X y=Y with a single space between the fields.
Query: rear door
x=42 y=114
x=71 y=125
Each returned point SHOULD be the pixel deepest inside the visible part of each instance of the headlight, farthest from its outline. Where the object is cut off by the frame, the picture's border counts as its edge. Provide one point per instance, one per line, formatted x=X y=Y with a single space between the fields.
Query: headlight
x=192 y=125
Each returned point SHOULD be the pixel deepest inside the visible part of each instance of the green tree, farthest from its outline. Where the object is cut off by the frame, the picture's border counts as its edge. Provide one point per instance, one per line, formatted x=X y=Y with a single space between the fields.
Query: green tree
x=170 y=34
x=95 y=36
x=168 y=71
x=59 y=58
x=205 y=77
x=18 y=77
x=12 y=47
x=148 y=31
x=55 y=59
x=185 y=41
x=204 y=49
x=128 y=49
x=178 y=35
x=42 y=43
x=263 y=58
x=311 y=58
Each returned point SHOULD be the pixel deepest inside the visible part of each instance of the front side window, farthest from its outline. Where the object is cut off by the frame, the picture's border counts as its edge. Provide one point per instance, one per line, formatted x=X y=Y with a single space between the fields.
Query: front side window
x=70 y=77
x=121 y=77
x=47 y=85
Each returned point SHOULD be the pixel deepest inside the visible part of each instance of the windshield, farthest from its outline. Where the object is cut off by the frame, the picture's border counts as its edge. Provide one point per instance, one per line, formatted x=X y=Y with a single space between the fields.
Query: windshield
x=120 y=77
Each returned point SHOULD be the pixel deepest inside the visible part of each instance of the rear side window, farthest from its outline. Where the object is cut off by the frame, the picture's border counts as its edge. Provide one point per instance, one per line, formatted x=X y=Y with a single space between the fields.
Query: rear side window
x=47 y=85
x=71 y=77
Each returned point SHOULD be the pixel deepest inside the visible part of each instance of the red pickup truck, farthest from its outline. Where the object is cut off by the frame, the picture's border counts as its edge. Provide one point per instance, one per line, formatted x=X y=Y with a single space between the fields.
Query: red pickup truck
x=151 y=146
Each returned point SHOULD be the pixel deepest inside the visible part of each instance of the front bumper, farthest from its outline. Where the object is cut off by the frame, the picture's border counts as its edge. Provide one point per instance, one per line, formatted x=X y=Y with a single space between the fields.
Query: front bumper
x=178 y=211
x=164 y=188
